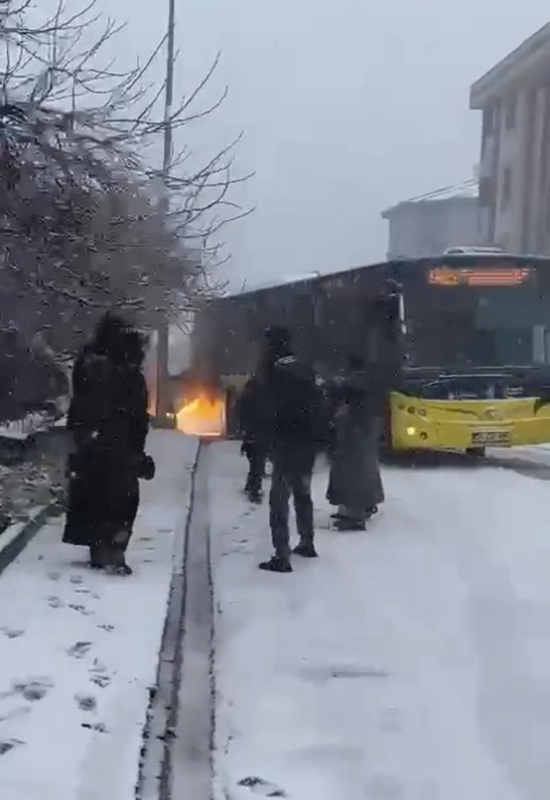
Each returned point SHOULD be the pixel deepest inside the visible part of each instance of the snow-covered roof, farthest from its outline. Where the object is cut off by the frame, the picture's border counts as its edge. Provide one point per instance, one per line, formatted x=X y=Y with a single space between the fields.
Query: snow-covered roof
x=529 y=59
x=272 y=283
x=469 y=190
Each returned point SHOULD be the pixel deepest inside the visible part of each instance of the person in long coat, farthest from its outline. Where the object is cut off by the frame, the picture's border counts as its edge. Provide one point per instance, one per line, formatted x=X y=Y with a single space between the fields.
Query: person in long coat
x=109 y=421
x=355 y=485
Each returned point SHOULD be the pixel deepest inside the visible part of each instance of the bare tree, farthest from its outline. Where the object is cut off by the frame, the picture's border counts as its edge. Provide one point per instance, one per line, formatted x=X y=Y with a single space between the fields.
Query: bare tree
x=80 y=219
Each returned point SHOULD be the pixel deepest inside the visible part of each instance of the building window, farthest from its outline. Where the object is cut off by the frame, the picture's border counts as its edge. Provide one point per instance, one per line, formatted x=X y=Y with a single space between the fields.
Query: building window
x=511 y=112
x=506 y=193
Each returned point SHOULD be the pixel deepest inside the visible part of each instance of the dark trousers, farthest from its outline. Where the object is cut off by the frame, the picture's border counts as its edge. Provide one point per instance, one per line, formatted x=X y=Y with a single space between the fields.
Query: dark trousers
x=256 y=466
x=291 y=475
x=102 y=508
x=109 y=546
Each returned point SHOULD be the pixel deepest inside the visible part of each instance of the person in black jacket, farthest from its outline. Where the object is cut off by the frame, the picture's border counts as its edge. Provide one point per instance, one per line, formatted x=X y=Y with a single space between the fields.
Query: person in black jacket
x=292 y=435
x=250 y=409
x=109 y=421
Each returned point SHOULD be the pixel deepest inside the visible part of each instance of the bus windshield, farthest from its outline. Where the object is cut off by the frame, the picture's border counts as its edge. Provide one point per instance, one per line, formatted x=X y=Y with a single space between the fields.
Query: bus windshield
x=479 y=317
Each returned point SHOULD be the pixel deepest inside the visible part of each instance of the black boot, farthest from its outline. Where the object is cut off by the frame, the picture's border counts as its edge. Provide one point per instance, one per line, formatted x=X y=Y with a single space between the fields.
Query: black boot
x=254 y=496
x=120 y=569
x=305 y=548
x=346 y=524
x=276 y=564
x=118 y=565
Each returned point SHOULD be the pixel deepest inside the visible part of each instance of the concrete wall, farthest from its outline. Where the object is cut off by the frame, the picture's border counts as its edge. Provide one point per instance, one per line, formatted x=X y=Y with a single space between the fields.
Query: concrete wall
x=515 y=172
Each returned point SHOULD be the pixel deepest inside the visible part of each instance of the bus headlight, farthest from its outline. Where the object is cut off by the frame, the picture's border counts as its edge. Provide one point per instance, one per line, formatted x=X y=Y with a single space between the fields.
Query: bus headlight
x=411 y=431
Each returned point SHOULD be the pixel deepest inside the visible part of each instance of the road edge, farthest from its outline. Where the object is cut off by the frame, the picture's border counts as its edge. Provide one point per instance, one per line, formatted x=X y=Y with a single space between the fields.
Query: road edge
x=17 y=536
x=155 y=766
x=190 y=749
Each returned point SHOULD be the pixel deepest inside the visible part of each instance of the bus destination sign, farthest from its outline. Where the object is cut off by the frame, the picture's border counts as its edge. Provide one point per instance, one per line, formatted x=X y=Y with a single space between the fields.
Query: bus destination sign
x=495 y=276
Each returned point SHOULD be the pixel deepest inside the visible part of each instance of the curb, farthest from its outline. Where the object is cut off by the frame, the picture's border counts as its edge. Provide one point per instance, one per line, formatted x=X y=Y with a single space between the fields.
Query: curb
x=17 y=536
x=154 y=781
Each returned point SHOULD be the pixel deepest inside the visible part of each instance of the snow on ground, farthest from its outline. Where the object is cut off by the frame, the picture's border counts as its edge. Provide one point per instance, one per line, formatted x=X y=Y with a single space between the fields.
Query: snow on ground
x=536 y=454
x=79 y=649
x=23 y=428
x=409 y=662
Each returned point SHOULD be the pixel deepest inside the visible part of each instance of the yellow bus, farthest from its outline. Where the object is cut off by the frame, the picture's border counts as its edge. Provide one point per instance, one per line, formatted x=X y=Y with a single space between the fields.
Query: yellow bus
x=462 y=340
x=476 y=344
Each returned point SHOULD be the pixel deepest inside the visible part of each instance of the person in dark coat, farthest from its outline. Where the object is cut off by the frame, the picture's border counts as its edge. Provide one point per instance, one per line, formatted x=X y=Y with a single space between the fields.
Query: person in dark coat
x=355 y=485
x=250 y=409
x=292 y=434
x=109 y=421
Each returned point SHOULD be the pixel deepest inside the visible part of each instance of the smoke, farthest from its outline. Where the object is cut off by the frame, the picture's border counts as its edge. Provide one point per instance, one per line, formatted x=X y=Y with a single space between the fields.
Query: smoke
x=179 y=360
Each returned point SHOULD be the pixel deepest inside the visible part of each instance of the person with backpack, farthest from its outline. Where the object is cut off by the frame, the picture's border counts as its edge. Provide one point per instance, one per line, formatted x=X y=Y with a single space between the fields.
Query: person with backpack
x=292 y=434
x=109 y=422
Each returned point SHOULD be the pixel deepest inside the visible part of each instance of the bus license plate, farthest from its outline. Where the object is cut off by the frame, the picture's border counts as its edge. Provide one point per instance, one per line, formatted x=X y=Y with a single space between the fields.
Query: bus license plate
x=491 y=437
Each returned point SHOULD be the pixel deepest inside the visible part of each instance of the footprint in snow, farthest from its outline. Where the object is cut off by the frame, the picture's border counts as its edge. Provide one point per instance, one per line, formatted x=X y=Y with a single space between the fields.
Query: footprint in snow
x=79 y=650
x=108 y=628
x=76 y=579
x=101 y=680
x=12 y=633
x=86 y=702
x=10 y=744
x=81 y=609
x=263 y=788
x=100 y=675
x=34 y=689
x=88 y=592
x=55 y=602
x=97 y=726
x=54 y=575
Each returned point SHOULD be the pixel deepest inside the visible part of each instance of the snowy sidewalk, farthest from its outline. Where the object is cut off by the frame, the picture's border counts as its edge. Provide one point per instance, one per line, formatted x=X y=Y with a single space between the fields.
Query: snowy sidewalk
x=79 y=649
x=408 y=663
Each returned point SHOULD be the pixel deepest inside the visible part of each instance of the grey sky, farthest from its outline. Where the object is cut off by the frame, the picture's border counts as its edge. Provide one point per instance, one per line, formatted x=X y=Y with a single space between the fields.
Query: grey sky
x=347 y=107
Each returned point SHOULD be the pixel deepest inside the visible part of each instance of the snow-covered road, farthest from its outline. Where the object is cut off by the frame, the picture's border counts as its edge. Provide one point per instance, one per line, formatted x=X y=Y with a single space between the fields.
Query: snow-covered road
x=411 y=662
x=79 y=650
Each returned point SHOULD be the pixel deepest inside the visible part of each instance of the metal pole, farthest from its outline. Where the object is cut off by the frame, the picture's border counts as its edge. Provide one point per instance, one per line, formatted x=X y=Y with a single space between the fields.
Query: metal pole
x=163 y=388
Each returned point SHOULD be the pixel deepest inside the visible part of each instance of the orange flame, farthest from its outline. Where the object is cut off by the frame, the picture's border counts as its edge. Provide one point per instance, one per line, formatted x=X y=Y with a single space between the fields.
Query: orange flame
x=202 y=416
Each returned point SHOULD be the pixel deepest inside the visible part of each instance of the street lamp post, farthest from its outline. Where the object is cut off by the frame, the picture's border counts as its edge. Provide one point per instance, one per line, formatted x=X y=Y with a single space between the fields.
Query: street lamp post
x=163 y=404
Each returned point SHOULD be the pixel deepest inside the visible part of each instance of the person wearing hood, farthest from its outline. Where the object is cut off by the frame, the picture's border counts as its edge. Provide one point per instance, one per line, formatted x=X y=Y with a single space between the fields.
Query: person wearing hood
x=355 y=485
x=292 y=436
x=109 y=422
